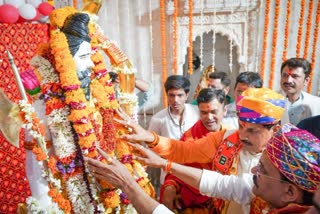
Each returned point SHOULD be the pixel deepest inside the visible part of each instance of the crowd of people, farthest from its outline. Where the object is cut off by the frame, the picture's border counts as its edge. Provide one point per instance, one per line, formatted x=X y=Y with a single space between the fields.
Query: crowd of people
x=257 y=154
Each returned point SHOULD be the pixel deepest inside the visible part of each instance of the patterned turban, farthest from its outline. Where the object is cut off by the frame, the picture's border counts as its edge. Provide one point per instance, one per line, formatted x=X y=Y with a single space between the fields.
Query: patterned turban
x=260 y=105
x=296 y=153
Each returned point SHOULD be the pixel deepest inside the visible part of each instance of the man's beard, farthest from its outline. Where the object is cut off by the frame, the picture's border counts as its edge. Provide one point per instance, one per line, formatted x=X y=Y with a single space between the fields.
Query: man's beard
x=84 y=77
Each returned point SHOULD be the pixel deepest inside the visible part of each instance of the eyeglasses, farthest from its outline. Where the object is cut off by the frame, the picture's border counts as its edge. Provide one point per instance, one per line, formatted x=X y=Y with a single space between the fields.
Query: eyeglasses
x=258 y=174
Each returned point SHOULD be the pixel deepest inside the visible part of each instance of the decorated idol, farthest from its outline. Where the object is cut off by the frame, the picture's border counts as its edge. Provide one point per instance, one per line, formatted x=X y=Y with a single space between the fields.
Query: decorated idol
x=72 y=117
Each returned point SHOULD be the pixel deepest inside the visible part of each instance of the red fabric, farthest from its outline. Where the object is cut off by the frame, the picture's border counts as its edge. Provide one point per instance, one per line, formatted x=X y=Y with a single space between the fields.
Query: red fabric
x=189 y=195
x=21 y=40
x=290 y=209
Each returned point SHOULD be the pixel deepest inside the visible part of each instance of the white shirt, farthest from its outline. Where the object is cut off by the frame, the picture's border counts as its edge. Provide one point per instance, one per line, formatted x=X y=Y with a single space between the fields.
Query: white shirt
x=164 y=124
x=227 y=187
x=306 y=106
x=231 y=118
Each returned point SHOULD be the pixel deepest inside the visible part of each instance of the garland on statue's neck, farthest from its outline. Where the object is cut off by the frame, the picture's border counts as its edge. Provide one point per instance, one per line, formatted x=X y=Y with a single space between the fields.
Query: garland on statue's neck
x=300 y=28
x=274 y=43
x=308 y=30
x=286 y=32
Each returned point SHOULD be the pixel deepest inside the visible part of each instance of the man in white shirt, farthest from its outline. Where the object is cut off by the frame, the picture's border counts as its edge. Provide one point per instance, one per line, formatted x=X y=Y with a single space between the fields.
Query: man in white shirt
x=295 y=75
x=179 y=116
x=285 y=180
x=260 y=110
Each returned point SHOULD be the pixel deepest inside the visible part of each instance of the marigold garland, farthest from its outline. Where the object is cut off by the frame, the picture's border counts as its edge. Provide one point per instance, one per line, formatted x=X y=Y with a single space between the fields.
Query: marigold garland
x=91 y=130
x=286 y=32
x=265 y=38
x=190 y=50
x=274 y=42
x=300 y=29
x=164 y=47
x=75 y=3
x=314 y=46
x=308 y=30
x=175 y=36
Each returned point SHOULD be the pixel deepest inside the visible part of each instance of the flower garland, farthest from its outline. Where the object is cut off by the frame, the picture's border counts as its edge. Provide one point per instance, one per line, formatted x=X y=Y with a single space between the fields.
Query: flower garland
x=214 y=34
x=75 y=3
x=231 y=41
x=301 y=20
x=274 y=43
x=286 y=32
x=314 y=46
x=36 y=130
x=112 y=132
x=308 y=30
x=164 y=47
x=190 y=52
x=201 y=37
x=151 y=58
x=175 y=36
x=265 y=38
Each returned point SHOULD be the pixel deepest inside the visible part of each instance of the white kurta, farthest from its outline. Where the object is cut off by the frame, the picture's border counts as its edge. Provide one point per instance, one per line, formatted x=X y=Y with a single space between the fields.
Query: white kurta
x=165 y=125
x=306 y=106
x=227 y=187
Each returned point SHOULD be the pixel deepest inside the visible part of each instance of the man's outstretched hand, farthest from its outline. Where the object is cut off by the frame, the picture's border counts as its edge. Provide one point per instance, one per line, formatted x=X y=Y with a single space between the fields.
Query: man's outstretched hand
x=139 y=134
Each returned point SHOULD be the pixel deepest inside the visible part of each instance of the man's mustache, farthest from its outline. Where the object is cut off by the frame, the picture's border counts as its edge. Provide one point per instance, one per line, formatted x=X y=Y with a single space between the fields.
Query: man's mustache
x=246 y=142
x=288 y=84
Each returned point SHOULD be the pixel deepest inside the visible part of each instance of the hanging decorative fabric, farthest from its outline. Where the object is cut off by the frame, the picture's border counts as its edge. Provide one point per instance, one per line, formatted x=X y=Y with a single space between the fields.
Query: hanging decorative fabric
x=118 y=23
x=175 y=37
x=164 y=47
x=286 y=32
x=151 y=57
x=301 y=20
x=314 y=47
x=231 y=40
x=246 y=32
x=258 y=43
x=308 y=30
x=214 y=35
x=201 y=36
x=274 y=42
x=265 y=38
x=190 y=52
x=139 y=10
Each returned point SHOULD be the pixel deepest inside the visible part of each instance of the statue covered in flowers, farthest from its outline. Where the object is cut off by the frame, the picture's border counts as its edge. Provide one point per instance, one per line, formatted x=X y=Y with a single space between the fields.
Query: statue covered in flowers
x=76 y=104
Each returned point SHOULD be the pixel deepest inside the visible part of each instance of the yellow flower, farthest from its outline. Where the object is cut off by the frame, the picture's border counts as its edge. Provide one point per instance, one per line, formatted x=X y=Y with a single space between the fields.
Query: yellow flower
x=58 y=16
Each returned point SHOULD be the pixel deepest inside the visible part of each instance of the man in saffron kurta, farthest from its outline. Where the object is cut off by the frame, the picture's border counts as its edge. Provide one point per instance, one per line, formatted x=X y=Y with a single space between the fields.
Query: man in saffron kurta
x=259 y=111
x=211 y=105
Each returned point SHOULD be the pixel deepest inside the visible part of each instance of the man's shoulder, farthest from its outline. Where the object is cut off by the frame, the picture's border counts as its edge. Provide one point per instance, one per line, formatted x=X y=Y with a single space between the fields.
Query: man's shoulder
x=310 y=97
x=160 y=114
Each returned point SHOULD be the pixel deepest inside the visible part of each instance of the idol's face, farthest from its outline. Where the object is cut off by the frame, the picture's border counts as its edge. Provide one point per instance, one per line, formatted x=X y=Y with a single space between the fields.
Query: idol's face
x=82 y=57
x=84 y=64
